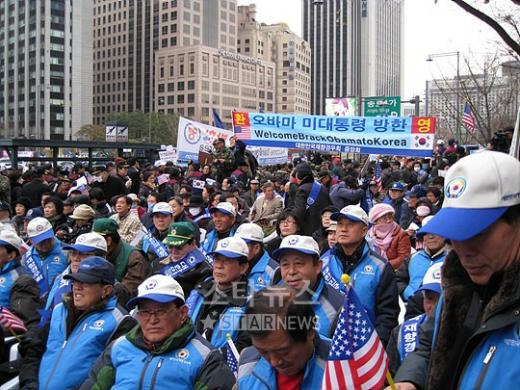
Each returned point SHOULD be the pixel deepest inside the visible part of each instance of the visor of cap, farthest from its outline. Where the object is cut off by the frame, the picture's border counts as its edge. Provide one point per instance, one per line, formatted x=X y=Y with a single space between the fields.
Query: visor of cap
x=159 y=298
x=80 y=248
x=461 y=224
x=175 y=241
x=221 y=210
x=227 y=253
x=85 y=277
x=278 y=252
x=338 y=215
x=435 y=287
x=42 y=236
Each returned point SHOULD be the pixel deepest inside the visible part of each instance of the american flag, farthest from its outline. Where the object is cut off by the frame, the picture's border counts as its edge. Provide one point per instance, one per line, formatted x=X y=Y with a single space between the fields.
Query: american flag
x=468 y=118
x=11 y=322
x=241 y=126
x=357 y=359
x=232 y=356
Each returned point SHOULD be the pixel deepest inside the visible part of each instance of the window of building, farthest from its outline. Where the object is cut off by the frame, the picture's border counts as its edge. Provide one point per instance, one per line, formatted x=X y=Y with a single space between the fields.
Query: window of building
x=191 y=84
x=180 y=99
x=180 y=86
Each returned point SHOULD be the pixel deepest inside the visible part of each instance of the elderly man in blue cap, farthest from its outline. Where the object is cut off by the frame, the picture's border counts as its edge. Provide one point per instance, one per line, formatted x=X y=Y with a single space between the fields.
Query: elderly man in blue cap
x=473 y=340
x=163 y=351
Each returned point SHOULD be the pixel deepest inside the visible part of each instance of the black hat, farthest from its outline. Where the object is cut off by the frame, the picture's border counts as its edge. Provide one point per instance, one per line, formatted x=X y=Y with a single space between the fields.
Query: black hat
x=303 y=170
x=93 y=270
x=24 y=201
x=98 y=168
x=196 y=201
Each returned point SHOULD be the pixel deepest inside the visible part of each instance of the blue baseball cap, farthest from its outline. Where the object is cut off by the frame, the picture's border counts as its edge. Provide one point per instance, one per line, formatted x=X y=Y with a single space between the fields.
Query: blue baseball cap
x=479 y=189
x=33 y=213
x=417 y=191
x=398 y=186
x=93 y=270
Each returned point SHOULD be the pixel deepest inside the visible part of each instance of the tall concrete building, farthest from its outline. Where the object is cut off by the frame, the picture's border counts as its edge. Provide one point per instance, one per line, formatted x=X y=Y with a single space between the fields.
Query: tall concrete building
x=289 y=52
x=45 y=68
x=128 y=35
x=357 y=48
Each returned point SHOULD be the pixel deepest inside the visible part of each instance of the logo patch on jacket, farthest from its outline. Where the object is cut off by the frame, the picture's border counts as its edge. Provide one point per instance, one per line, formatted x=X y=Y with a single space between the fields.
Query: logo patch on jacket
x=98 y=325
x=368 y=270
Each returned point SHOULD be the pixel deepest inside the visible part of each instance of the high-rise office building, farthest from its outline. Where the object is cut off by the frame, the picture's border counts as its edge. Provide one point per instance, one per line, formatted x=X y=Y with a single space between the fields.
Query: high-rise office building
x=289 y=52
x=129 y=34
x=46 y=68
x=356 y=47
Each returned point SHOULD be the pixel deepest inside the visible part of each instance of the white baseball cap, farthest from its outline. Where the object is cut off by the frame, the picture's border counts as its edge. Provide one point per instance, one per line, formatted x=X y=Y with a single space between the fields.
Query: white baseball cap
x=162 y=208
x=354 y=213
x=39 y=229
x=158 y=288
x=302 y=244
x=478 y=190
x=9 y=237
x=250 y=232
x=432 y=278
x=88 y=242
x=224 y=208
x=231 y=247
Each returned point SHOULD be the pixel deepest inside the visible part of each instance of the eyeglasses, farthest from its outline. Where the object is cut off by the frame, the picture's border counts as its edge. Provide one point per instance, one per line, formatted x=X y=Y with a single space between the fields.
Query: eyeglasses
x=287 y=222
x=159 y=313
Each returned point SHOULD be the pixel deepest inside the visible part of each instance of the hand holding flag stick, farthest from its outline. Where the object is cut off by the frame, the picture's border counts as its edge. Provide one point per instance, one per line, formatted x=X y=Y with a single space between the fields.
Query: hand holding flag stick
x=357 y=359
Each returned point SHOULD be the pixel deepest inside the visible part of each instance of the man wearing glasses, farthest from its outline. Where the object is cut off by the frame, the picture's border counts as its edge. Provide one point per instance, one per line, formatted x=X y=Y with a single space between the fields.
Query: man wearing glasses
x=186 y=263
x=164 y=351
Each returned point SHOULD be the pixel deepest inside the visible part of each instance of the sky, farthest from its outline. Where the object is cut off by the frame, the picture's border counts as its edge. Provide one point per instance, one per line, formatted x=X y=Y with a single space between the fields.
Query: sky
x=429 y=28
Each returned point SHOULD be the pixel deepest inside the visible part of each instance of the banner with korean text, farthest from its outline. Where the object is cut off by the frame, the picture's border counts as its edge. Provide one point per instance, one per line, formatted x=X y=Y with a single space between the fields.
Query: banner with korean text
x=194 y=137
x=398 y=136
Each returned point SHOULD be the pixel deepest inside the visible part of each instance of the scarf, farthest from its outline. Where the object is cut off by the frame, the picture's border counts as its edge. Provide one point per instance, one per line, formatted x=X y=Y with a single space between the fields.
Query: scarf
x=383 y=235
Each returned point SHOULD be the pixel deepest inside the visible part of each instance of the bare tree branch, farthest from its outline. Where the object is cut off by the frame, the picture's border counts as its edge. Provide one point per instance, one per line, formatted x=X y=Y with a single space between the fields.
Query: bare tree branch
x=512 y=43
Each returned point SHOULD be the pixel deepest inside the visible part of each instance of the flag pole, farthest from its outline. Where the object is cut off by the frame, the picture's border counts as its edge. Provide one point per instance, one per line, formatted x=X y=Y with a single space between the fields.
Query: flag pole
x=345 y=279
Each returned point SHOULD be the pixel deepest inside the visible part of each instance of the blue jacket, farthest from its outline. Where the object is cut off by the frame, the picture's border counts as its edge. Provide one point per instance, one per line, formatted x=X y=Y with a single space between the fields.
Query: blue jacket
x=255 y=373
x=374 y=282
x=9 y=273
x=69 y=357
x=262 y=273
x=417 y=267
x=210 y=242
x=51 y=265
x=58 y=289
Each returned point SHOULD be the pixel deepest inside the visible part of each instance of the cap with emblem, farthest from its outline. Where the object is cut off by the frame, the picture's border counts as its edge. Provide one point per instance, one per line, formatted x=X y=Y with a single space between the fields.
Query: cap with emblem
x=33 y=213
x=303 y=244
x=332 y=227
x=231 y=247
x=162 y=208
x=105 y=226
x=9 y=237
x=432 y=279
x=83 y=212
x=93 y=270
x=478 y=190
x=88 y=242
x=158 y=288
x=39 y=229
x=353 y=213
x=250 y=232
x=179 y=233
x=224 y=208
x=397 y=186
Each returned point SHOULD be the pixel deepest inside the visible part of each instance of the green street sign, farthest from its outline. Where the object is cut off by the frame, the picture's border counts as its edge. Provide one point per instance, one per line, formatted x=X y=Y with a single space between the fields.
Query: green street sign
x=382 y=106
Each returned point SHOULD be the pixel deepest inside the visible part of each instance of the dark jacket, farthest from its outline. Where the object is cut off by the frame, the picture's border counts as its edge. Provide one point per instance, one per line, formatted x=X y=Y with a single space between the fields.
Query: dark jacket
x=34 y=190
x=341 y=195
x=311 y=215
x=112 y=187
x=133 y=173
x=470 y=315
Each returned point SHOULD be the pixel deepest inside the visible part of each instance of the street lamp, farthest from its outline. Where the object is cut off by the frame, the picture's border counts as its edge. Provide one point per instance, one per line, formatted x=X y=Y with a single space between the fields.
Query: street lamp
x=450 y=54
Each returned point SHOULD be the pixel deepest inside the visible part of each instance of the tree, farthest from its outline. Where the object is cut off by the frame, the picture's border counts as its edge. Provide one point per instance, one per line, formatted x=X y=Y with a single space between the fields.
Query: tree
x=506 y=22
x=148 y=127
x=493 y=97
x=91 y=133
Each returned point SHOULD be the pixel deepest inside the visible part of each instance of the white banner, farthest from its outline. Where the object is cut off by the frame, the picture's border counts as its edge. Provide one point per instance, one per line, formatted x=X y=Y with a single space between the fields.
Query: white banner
x=269 y=156
x=194 y=136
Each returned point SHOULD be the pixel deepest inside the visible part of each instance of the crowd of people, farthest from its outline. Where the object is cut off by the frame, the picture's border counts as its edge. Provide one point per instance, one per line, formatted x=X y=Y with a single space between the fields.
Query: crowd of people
x=128 y=274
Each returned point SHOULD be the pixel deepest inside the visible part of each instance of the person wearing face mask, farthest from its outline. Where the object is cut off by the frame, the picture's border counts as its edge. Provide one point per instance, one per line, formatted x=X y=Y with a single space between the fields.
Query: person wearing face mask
x=389 y=240
x=198 y=213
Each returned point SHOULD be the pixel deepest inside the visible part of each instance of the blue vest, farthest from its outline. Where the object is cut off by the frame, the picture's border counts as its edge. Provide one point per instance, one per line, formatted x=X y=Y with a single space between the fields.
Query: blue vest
x=179 y=369
x=255 y=373
x=228 y=321
x=408 y=337
x=210 y=242
x=262 y=273
x=494 y=363
x=419 y=264
x=50 y=266
x=67 y=361
x=8 y=275
x=364 y=278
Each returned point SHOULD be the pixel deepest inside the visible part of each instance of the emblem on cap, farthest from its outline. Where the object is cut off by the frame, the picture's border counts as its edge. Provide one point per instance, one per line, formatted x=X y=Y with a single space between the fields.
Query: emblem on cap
x=224 y=244
x=173 y=232
x=80 y=239
x=456 y=187
x=151 y=284
x=293 y=240
x=437 y=274
x=39 y=228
